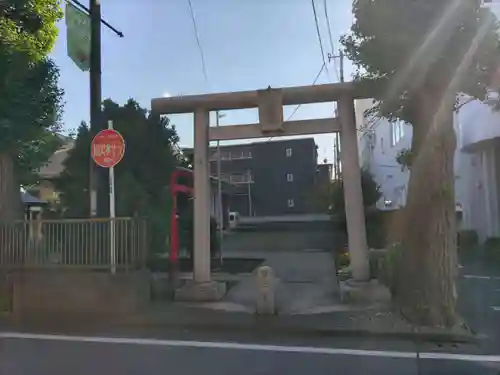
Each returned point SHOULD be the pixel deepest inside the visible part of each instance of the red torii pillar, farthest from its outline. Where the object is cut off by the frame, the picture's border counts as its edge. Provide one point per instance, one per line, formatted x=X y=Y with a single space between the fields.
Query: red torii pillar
x=176 y=188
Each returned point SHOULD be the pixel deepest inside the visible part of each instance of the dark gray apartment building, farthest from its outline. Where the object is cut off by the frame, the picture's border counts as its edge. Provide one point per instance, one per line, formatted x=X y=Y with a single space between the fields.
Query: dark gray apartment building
x=324 y=173
x=269 y=178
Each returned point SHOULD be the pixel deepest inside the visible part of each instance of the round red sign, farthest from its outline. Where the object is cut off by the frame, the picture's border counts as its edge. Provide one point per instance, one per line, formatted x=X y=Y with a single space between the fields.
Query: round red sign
x=107 y=148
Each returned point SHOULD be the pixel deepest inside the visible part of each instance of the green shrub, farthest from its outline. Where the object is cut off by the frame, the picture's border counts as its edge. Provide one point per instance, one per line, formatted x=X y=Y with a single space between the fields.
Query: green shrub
x=492 y=248
x=186 y=229
x=375 y=257
x=5 y=305
x=341 y=259
x=467 y=239
x=376 y=233
x=492 y=243
x=388 y=267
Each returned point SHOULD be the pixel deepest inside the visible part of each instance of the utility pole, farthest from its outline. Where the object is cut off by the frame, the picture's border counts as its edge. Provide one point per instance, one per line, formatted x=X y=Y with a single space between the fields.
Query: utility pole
x=336 y=146
x=219 y=187
x=337 y=137
x=341 y=58
x=250 y=203
x=84 y=48
x=98 y=183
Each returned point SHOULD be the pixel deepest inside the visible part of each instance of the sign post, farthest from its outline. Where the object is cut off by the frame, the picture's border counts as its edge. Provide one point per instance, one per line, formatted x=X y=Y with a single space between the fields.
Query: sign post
x=112 y=211
x=107 y=150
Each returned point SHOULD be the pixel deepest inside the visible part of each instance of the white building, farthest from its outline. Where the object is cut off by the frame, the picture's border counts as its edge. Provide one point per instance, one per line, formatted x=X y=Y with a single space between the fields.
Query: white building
x=379 y=143
x=477 y=162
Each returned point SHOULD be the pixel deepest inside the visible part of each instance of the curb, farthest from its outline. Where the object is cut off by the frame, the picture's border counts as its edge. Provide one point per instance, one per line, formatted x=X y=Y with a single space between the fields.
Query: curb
x=244 y=323
x=263 y=326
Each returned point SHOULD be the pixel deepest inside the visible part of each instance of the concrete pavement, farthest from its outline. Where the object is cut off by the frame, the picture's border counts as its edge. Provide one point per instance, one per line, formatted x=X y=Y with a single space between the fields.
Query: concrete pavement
x=157 y=350
x=307 y=281
x=54 y=355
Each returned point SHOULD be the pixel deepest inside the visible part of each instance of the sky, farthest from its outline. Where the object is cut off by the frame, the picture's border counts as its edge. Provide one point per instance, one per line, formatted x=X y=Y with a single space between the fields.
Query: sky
x=247 y=45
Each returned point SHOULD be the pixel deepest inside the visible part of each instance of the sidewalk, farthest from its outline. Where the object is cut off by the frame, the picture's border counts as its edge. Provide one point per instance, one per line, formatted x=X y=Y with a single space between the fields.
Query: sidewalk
x=308 y=305
x=376 y=324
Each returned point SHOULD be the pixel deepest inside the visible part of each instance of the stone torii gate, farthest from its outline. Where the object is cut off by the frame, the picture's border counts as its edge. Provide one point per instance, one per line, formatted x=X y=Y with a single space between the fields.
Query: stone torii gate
x=270 y=105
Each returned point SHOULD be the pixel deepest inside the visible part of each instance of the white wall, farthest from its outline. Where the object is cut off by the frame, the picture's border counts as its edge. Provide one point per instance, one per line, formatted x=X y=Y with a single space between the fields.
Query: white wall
x=477 y=164
x=478 y=167
x=378 y=155
x=381 y=161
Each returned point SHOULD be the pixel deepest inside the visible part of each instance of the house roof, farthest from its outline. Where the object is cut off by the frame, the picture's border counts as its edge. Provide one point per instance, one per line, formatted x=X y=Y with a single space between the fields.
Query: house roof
x=29 y=199
x=55 y=164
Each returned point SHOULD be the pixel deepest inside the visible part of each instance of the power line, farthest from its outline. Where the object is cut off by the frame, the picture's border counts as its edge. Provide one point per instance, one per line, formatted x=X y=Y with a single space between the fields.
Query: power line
x=299 y=105
x=319 y=37
x=198 y=42
x=314 y=82
x=325 y=6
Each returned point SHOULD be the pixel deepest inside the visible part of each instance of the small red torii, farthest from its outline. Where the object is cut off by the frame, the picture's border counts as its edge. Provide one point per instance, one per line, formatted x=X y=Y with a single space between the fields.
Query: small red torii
x=176 y=188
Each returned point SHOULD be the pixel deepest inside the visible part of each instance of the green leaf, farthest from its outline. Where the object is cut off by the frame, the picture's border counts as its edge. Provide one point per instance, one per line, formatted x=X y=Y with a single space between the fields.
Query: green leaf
x=31 y=103
x=404 y=47
x=143 y=175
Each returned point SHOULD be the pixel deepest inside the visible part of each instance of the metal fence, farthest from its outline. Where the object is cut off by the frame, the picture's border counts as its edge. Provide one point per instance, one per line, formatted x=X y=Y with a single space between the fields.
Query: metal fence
x=74 y=243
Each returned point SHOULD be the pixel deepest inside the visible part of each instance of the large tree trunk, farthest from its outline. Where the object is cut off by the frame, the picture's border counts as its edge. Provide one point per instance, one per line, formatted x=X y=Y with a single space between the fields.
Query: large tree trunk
x=10 y=198
x=11 y=209
x=426 y=276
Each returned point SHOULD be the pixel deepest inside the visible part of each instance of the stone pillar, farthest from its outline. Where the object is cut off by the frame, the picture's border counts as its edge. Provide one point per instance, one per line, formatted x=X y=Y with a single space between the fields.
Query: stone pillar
x=201 y=288
x=356 y=231
x=202 y=198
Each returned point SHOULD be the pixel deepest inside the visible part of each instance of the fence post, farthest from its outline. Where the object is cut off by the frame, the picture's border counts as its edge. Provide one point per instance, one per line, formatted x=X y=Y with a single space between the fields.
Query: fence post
x=143 y=250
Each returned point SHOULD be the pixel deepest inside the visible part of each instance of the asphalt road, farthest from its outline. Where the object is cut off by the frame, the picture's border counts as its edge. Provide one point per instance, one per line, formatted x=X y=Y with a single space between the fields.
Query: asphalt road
x=479 y=301
x=184 y=352
x=111 y=356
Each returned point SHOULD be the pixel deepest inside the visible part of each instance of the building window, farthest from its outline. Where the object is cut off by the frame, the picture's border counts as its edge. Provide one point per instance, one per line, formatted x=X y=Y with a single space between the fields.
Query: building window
x=291 y=203
x=288 y=152
x=241 y=154
x=289 y=177
x=397 y=131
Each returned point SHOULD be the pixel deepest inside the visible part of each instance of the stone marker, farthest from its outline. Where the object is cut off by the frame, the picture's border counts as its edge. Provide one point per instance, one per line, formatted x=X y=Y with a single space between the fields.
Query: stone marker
x=266 y=291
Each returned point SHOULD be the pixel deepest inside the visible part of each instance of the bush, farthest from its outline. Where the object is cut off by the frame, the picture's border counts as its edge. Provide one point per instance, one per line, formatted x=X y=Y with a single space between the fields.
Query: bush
x=375 y=257
x=341 y=259
x=376 y=230
x=388 y=267
x=186 y=229
x=330 y=197
x=467 y=239
x=492 y=248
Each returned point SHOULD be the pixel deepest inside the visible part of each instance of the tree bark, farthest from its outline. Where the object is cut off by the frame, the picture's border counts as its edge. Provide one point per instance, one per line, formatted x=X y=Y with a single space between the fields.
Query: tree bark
x=10 y=198
x=427 y=273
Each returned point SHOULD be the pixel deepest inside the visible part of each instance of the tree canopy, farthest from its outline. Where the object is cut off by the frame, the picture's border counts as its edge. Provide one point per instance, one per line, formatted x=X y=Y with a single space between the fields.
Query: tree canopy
x=31 y=98
x=404 y=47
x=141 y=178
x=330 y=197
